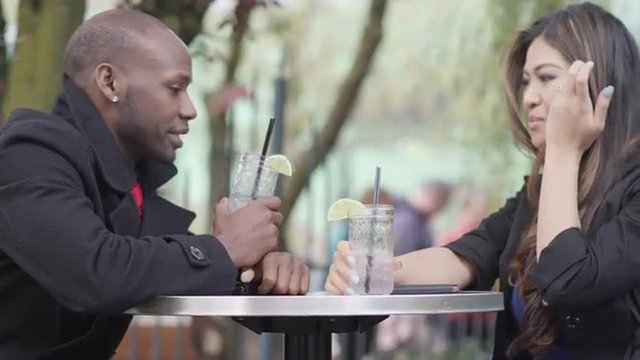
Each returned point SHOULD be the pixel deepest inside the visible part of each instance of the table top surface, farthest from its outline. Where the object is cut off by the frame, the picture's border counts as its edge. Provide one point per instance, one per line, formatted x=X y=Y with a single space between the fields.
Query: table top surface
x=322 y=304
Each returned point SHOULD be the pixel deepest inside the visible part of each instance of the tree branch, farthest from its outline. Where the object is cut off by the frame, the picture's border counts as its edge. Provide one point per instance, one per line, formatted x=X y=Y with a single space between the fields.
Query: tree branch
x=220 y=156
x=183 y=17
x=347 y=96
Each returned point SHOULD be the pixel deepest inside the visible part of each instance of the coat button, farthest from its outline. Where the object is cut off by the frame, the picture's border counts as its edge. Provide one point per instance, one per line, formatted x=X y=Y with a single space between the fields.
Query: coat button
x=196 y=253
x=571 y=321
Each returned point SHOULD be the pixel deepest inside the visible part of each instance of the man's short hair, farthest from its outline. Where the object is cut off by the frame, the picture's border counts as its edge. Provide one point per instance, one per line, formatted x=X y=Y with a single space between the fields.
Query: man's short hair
x=109 y=37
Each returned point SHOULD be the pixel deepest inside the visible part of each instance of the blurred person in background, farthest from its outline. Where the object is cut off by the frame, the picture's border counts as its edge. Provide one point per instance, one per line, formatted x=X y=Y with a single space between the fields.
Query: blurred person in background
x=566 y=247
x=413 y=214
x=475 y=208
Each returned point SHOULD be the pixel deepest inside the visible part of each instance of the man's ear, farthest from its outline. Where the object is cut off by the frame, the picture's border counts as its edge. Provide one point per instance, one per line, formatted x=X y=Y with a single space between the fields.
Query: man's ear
x=109 y=81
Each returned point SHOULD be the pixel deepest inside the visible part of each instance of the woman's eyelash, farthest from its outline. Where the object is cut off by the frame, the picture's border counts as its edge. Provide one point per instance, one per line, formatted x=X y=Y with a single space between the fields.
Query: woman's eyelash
x=546 y=77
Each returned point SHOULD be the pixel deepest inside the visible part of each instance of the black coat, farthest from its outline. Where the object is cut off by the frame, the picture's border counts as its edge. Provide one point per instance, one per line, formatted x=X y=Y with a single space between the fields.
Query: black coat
x=73 y=252
x=589 y=279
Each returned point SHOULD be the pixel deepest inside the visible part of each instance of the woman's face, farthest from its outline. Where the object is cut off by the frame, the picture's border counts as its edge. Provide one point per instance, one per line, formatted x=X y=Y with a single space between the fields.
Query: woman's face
x=544 y=65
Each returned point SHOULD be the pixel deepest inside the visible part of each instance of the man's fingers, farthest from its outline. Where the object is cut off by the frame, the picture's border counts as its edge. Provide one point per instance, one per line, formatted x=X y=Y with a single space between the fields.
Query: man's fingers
x=222 y=207
x=269 y=276
x=276 y=218
x=304 y=280
x=272 y=203
x=295 y=279
x=247 y=275
x=285 y=272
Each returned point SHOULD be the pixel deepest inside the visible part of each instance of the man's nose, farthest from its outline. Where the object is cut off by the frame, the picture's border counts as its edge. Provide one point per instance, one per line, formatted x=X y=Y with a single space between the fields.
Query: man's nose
x=188 y=110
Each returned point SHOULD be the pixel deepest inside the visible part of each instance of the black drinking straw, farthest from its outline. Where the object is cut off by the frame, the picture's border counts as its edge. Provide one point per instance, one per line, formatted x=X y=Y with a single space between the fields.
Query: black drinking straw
x=267 y=138
x=376 y=187
x=265 y=148
x=376 y=201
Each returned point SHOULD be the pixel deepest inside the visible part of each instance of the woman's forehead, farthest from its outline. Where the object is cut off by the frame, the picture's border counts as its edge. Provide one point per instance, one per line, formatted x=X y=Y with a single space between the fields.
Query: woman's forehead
x=540 y=53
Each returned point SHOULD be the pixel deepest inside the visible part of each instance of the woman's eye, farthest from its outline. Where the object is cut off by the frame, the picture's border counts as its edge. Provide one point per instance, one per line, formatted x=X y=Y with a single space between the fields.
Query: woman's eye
x=547 y=77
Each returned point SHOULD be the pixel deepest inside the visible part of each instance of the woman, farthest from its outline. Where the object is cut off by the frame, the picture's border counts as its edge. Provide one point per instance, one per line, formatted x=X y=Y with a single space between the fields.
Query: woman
x=566 y=248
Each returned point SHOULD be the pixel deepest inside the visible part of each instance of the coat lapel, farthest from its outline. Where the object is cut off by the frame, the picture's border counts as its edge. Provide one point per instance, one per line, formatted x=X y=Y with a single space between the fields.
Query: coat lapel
x=124 y=218
x=162 y=217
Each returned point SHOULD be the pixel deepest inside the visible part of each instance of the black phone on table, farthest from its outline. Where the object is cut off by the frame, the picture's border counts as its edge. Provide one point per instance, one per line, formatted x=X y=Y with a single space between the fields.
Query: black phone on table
x=425 y=289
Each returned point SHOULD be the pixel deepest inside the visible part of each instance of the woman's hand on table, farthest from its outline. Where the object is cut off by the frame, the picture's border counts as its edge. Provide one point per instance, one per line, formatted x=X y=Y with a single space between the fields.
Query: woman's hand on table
x=342 y=274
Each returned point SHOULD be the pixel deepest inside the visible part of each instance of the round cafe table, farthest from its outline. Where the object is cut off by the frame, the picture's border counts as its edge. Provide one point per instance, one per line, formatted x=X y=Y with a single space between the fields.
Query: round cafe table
x=307 y=322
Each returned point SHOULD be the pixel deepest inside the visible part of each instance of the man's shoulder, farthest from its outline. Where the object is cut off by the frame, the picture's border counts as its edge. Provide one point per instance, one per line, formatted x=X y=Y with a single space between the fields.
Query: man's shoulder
x=26 y=126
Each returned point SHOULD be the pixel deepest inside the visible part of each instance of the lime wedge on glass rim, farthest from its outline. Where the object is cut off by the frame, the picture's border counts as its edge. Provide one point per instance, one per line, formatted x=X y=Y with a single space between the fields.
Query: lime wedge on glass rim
x=344 y=208
x=280 y=163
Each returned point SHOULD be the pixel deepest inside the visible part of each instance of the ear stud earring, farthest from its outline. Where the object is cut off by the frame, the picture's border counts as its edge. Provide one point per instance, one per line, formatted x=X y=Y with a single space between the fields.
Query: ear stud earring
x=114 y=99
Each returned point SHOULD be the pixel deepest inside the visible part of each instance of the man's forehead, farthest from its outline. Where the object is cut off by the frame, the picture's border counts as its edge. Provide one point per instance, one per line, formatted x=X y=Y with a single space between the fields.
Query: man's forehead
x=162 y=53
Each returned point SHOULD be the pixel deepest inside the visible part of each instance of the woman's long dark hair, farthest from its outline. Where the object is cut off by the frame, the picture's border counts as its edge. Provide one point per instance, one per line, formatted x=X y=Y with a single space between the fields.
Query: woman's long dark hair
x=579 y=32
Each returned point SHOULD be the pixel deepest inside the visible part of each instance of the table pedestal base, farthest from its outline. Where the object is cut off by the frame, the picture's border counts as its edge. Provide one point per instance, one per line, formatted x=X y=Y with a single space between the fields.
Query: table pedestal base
x=309 y=338
x=307 y=346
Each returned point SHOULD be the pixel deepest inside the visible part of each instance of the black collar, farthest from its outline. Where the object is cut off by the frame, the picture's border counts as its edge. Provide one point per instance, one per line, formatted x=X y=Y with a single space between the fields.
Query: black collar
x=74 y=105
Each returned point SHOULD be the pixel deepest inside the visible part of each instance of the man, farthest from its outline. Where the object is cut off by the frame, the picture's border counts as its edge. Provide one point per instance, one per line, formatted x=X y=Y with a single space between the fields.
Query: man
x=83 y=234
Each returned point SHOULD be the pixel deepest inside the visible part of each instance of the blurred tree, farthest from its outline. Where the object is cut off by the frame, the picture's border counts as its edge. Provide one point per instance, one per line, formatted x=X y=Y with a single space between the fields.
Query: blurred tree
x=43 y=30
x=4 y=63
x=183 y=17
x=220 y=166
x=342 y=108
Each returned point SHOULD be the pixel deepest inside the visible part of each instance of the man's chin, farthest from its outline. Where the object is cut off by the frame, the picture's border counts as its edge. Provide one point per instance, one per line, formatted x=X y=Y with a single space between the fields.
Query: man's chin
x=166 y=158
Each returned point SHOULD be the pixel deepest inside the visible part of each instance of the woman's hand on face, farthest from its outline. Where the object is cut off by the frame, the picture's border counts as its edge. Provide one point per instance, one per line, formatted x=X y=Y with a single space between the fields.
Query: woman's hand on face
x=573 y=124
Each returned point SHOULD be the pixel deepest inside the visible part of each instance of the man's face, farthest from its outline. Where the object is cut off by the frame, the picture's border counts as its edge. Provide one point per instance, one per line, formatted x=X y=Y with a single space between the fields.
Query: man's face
x=155 y=109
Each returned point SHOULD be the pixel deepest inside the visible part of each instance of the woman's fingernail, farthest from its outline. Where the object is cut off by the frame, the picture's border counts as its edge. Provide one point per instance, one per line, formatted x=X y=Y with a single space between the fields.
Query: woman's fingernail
x=350 y=291
x=355 y=279
x=351 y=261
x=608 y=91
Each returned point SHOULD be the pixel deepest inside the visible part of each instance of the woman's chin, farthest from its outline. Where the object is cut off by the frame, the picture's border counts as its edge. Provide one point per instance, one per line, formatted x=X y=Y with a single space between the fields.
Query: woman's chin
x=537 y=142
